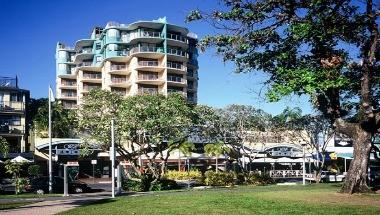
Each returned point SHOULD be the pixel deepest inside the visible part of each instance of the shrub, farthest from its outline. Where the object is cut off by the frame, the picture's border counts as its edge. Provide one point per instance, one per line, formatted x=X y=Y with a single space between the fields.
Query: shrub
x=219 y=178
x=145 y=183
x=182 y=175
x=34 y=170
x=259 y=179
x=164 y=184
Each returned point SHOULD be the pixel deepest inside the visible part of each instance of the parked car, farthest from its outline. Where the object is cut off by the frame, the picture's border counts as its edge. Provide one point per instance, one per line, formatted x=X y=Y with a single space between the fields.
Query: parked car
x=7 y=185
x=41 y=185
x=374 y=176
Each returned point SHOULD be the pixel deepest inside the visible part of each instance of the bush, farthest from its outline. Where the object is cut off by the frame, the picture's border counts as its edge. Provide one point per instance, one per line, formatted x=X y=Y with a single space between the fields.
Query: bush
x=182 y=175
x=219 y=178
x=145 y=183
x=164 y=184
x=34 y=170
x=259 y=179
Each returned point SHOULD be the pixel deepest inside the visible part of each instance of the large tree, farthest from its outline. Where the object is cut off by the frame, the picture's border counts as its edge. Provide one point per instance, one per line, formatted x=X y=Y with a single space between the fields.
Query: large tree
x=327 y=49
x=149 y=126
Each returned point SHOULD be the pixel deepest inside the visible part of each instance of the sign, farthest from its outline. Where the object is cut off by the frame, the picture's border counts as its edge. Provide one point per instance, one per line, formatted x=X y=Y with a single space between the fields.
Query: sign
x=284 y=151
x=341 y=140
x=68 y=149
x=94 y=162
x=72 y=163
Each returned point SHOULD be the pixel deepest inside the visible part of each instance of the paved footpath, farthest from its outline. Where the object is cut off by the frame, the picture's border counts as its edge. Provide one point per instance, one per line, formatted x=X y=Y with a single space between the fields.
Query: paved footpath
x=49 y=207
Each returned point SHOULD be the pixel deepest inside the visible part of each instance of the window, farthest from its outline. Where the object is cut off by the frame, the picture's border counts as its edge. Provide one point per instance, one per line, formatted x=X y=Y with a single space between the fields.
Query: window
x=112 y=47
x=98 y=59
x=15 y=97
x=98 y=46
x=113 y=33
x=16 y=120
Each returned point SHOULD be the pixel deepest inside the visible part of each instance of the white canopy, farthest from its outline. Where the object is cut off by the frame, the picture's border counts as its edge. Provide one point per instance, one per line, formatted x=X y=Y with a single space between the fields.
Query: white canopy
x=20 y=159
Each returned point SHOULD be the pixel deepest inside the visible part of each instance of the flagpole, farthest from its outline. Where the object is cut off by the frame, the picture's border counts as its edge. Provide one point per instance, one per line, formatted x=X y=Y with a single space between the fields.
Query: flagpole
x=50 y=147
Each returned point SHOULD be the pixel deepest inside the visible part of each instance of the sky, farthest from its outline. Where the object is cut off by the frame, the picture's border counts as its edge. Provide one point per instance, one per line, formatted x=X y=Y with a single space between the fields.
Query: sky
x=30 y=30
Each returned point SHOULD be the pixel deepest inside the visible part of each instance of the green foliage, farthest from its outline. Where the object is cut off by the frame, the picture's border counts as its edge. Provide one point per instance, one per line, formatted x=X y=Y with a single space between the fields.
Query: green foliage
x=64 y=121
x=4 y=147
x=148 y=123
x=34 y=170
x=14 y=169
x=145 y=183
x=185 y=175
x=219 y=178
x=259 y=179
x=216 y=149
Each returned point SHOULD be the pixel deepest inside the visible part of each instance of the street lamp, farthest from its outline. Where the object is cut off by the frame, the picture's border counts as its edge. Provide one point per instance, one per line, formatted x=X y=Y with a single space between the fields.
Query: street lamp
x=303 y=164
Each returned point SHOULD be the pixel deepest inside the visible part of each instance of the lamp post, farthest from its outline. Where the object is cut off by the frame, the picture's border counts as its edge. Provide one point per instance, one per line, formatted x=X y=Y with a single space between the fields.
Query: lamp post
x=303 y=164
x=112 y=154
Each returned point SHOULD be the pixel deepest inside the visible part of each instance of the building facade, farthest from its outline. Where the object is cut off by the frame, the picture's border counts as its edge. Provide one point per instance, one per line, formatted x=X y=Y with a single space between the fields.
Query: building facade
x=13 y=117
x=142 y=57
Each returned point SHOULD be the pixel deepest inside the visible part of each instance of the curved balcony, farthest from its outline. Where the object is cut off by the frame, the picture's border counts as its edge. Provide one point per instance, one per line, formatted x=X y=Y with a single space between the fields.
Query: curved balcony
x=118 y=56
x=84 y=54
x=83 y=43
x=143 y=36
x=120 y=82
x=88 y=66
x=92 y=77
x=177 y=54
x=147 y=52
x=176 y=81
x=119 y=69
x=150 y=79
x=177 y=68
x=177 y=40
x=152 y=66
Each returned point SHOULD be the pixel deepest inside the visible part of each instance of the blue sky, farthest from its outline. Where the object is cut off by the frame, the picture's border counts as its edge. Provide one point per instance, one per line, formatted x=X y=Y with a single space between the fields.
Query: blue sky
x=31 y=29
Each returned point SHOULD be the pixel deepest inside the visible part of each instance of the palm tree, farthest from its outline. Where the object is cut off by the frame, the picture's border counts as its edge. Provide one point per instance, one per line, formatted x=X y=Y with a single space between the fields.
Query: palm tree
x=186 y=148
x=216 y=149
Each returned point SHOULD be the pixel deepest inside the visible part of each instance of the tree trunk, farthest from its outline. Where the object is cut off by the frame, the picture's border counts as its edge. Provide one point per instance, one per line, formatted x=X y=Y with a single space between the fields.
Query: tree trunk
x=356 y=179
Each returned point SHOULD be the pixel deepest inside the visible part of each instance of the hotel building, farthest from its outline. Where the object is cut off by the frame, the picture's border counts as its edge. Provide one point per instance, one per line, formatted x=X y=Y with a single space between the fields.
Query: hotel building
x=13 y=120
x=129 y=59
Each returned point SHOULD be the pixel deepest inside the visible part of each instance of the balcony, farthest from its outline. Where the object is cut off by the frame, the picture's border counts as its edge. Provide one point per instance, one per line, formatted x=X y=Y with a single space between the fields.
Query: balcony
x=176 y=81
x=120 y=82
x=176 y=52
x=176 y=37
x=176 y=67
x=152 y=66
x=69 y=96
x=176 y=40
x=85 y=64
x=143 y=36
x=12 y=106
x=92 y=76
x=150 y=79
x=147 y=51
x=86 y=51
x=7 y=129
x=87 y=88
x=150 y=91
x=68 y=85
x=148 y=63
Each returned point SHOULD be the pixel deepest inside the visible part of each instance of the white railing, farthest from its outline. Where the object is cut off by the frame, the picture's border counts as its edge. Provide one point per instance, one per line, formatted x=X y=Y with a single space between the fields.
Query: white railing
x=148 y=63
x=176 y=37
x=174 y=65
x=118 y=67
x=285 y=173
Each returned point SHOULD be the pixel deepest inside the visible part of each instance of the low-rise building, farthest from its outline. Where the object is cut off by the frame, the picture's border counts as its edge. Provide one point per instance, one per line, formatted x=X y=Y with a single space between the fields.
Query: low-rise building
x=13 y=115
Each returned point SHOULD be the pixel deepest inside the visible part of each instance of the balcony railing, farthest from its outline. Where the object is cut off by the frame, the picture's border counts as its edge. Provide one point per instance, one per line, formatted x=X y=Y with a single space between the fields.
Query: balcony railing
x=150 y=34
x=177 y=52
x=148 y=77
x=146 y=49
x=7 y=128
x=85 y=64
x=173 y=65
x=148 y=63
x=9 y=106
x=86 y=51
x=175 y=79
x=118 y=67
x=68 y=83
x=151 y=91
x=118 y=80
x=69 y=95
x=92 y=76
x=176 y=37
x=69 y=105
x=88 y=88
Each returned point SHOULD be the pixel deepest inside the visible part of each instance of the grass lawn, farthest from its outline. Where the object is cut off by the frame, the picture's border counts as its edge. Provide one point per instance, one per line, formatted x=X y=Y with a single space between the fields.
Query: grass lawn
x=311 y=199
x=10 y=205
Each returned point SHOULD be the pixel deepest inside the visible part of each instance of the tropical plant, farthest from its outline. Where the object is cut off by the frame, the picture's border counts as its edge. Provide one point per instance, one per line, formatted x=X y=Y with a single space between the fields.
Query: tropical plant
x=219 y=178
x=34 y=170
x=216 y=149
x=327 y=50
x=186 y=148
x=4 y=147
x=14 y=168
